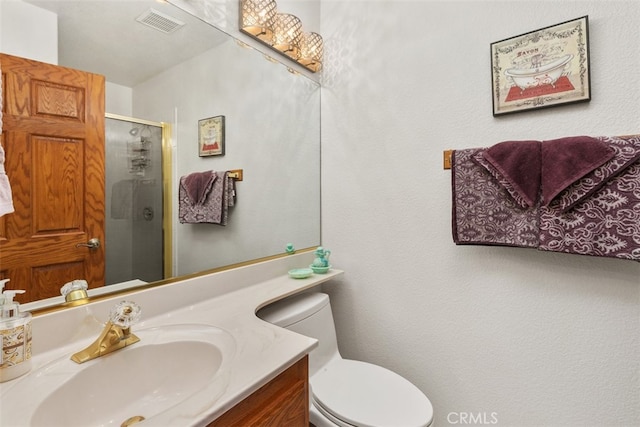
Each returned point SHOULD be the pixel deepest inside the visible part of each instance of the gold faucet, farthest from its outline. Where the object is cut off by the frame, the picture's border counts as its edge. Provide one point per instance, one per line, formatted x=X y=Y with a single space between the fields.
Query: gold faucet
x=115 y=335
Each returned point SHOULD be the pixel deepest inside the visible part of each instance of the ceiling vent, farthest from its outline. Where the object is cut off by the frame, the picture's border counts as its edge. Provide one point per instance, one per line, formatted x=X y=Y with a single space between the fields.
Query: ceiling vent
x=160 y=21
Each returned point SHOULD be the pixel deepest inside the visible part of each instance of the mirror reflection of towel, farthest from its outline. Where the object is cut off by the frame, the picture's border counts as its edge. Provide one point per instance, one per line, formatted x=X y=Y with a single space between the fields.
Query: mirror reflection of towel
x=205 y=198
x=198 y=185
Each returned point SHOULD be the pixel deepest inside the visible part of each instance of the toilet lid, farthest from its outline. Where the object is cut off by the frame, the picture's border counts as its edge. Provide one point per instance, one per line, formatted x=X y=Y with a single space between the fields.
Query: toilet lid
x=366 y=395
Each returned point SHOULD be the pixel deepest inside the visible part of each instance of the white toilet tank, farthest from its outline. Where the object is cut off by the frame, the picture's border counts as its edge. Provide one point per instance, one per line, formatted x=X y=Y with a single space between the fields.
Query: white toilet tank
x=347 y=392
x=308 y=314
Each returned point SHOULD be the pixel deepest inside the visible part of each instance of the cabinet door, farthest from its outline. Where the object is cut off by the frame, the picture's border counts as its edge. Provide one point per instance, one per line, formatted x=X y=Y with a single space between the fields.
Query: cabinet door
x=284 y=401
x=53 y=138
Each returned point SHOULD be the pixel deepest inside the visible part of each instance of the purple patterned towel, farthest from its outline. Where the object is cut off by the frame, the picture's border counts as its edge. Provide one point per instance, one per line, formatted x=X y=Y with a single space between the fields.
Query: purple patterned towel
x=198 y=185
x=597 y=214
x=517 y=165
x=210 y=209
x=484 y=213
x=626 y=152
x=530 y=168
x=566 y=160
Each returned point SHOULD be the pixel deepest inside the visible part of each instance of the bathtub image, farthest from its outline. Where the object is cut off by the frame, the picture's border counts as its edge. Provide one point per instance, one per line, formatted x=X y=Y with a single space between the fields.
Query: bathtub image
x=545 y=74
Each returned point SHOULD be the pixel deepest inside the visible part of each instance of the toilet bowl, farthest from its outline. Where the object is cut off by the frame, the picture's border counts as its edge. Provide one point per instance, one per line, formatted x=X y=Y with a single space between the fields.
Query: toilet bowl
x=347 y=392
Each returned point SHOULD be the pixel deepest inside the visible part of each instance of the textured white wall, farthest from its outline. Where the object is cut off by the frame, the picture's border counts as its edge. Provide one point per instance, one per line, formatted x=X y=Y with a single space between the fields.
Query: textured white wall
x=18 y=37
x=536 y=339
x=118 y=99
x=275 y=142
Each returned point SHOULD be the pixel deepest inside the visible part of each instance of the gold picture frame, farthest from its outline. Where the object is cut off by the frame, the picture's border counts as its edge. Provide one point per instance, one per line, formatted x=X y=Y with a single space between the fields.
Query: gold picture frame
x=543 y=68
x=211 y=138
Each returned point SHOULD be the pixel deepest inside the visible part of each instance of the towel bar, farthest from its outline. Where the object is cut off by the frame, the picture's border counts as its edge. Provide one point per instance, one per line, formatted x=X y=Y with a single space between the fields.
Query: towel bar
x=447 y=159
x=235 y=174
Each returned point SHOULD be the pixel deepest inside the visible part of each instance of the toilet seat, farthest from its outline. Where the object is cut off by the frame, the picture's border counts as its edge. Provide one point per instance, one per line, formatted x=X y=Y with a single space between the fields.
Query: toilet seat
x=354 y=393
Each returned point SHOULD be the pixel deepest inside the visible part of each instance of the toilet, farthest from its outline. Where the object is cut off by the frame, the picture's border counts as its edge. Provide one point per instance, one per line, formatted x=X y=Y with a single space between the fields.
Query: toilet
x=346 y=392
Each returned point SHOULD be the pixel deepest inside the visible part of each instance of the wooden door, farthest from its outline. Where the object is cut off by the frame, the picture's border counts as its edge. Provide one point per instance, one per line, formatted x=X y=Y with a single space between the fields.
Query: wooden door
x=53 y=137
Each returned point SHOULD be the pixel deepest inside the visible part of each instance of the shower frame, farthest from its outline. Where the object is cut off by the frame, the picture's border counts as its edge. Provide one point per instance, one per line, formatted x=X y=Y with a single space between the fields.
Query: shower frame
x=167 y=227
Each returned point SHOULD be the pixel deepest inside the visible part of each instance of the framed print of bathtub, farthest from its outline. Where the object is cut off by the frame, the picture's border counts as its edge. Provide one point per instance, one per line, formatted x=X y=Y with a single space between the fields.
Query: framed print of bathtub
x=211 y=136
x=543 y=68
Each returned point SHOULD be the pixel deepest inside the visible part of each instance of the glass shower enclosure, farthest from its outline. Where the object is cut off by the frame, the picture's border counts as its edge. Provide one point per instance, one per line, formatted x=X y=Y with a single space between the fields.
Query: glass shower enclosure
x=134 y=238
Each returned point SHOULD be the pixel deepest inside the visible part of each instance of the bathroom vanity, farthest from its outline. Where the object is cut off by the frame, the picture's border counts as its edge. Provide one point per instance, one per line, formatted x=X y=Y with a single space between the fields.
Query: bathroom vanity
x=241 y=370
x=284 y=401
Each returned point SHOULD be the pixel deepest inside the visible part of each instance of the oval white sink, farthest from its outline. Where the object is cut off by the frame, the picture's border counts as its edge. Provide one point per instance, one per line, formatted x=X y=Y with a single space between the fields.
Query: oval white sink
x=157 y=376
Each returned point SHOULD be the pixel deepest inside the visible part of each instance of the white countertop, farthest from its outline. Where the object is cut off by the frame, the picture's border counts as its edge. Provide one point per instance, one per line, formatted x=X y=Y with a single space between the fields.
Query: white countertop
x=227 y=300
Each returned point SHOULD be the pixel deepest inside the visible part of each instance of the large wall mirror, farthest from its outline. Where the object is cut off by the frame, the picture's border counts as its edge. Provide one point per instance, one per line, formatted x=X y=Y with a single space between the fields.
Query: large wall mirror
x=182 y=76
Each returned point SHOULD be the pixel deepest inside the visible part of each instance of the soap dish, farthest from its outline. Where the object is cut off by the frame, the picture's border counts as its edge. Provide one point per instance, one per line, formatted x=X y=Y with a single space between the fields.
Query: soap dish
x=319 y=270
x=300 y=273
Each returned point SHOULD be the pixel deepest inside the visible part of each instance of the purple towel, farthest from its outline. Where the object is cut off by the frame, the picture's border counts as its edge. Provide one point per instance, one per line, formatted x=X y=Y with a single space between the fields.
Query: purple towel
x=517 y=165
x=528 y=168
x=627 y=152
x=484 y=213
x=214 y=196
x=198 y=185
x=597 y=214
x=566 y=160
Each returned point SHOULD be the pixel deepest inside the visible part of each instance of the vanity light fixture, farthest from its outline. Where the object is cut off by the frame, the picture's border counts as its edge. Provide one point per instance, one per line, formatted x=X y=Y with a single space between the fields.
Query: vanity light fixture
x=311 y=51
x=288 y=35
x=258 y=18
x=282 y=32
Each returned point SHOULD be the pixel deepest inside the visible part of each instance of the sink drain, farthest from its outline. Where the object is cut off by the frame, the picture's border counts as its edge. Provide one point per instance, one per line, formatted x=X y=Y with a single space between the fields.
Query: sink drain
x=131 y=421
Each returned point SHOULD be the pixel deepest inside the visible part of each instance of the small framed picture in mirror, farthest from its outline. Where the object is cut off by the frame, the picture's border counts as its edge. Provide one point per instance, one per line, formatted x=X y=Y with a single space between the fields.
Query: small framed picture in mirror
x=211 y=136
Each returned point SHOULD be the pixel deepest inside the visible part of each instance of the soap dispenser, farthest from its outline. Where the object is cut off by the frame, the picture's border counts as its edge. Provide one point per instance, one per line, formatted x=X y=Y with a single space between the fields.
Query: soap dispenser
x=15 y=331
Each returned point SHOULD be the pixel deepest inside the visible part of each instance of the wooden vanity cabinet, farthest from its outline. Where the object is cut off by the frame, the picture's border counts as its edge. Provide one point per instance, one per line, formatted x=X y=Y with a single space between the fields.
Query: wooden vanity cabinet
x=284 y=401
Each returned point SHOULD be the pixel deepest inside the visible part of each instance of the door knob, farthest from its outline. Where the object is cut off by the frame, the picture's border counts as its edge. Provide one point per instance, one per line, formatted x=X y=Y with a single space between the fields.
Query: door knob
x=91 y=244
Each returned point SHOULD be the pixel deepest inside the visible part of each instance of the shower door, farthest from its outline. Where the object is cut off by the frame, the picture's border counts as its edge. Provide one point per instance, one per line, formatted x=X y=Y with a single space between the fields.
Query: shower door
x=134 y=241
